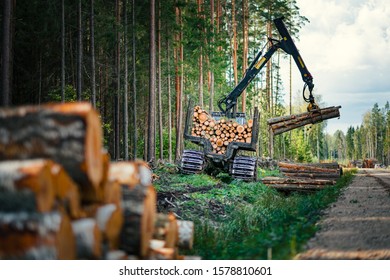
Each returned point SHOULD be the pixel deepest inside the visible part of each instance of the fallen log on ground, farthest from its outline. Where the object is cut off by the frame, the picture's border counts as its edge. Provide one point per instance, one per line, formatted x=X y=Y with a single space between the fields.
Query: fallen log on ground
x=311 y=170
x=297 y=184
x=26 y=185
x=68 y=133
x=295 y=181
x=286 y=123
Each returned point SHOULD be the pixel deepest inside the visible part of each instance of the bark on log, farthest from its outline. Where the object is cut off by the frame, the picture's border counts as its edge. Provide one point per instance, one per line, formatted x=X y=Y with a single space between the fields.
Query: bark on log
x=166 y=229
x=36 y=236
x=97 y=195
x=130 y=173
x=26 y=185
x=186 y=234
x=296 y=181
x=306 y=168
x=88 y=238
x=69 y=134
x=286 y=123
x=139 y=211
x=162 y=254
x=112 y=193
x=110 y=220
x=116 y=255
x=303 y=188
x=66 y=192
x=300 y=174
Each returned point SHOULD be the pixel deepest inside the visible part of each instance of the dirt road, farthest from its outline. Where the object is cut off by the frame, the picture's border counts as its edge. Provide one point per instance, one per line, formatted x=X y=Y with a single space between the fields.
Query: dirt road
x=357 y=226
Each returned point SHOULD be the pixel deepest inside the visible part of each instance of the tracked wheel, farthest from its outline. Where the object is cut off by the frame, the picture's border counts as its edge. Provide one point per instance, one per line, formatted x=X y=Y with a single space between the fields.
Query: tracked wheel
x=244 y=168
x=192 y=162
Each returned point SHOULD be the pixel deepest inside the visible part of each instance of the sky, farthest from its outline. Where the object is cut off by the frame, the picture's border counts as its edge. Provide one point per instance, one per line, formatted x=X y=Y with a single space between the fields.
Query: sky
x=346 y=48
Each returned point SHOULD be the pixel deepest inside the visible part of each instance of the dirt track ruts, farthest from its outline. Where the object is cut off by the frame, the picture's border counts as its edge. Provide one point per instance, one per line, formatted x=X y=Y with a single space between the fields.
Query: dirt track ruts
x=357 y=225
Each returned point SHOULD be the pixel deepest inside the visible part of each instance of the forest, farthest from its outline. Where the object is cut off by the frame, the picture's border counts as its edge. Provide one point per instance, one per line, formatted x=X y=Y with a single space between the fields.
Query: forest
x=140 y=62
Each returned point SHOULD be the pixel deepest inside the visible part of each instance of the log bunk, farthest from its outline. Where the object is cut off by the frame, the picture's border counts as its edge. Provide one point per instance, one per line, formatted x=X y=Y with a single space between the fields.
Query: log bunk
x=62 y=198
x=304 y=177
x=220 y=132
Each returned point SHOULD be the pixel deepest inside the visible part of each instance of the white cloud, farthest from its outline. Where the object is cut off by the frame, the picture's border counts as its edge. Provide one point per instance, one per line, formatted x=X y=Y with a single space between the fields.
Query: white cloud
x=346 y=47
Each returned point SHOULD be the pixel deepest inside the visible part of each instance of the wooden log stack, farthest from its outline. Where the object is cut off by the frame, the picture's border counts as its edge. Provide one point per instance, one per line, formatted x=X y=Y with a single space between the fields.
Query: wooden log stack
x=283 y=124
x=220 y=132
x=62 y=198
x=305 y=177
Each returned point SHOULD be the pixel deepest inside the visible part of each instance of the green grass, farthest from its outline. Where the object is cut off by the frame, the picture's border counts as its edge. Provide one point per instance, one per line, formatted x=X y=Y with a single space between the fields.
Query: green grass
x=239 y=220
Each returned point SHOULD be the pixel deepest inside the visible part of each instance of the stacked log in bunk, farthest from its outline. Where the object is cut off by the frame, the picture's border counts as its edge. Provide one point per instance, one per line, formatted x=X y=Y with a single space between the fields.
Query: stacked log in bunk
x=283 y=124
x=62 y=198
x=221 y=132
x=304 y=177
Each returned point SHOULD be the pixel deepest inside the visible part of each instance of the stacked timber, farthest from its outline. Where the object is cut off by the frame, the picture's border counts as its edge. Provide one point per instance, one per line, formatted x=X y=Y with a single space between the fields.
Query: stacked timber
x=304 y=177
x=220 y=132
x=283 y=124
x=62 y=198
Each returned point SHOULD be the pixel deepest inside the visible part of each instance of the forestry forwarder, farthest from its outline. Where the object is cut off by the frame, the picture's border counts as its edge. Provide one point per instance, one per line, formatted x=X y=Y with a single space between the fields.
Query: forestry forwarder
x=242 y=166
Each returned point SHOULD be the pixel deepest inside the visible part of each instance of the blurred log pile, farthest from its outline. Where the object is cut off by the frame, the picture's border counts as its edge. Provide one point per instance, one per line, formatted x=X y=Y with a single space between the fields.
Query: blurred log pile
x=62 y=198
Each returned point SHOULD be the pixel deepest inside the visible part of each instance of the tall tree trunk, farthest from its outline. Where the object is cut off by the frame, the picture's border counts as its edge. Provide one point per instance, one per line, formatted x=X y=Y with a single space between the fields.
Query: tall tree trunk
x=79 y=52
x=93 y=62
x=234 y=25
x=268 y=71
x=200 y=89
x=211 y=100
x=135 y=136
x=160 y=114
x=245 y=13
x=169 y=103
x=126 y=89
x=178 y=84
x=62 y=51
x=151 y=147
x=6 y=74
x=118 y=83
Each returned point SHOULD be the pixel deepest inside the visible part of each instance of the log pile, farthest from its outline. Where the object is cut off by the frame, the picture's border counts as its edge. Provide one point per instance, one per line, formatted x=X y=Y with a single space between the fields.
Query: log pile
x=283 y=124
x=62 y=198
x=304 y=177
x=220 y=132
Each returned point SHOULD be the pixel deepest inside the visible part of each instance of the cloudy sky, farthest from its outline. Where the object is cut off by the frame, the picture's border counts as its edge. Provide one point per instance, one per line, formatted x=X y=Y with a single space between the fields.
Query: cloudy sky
x=346 y=47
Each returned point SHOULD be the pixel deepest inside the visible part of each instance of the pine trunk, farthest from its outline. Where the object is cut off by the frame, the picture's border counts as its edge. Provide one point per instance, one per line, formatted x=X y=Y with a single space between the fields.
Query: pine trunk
x=79 y=53
x=135 y=135
x=126 y=88
x=151 y=140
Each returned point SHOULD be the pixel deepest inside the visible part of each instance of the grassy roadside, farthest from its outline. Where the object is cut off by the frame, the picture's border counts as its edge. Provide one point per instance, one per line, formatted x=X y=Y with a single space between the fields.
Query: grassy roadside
x=239 y=220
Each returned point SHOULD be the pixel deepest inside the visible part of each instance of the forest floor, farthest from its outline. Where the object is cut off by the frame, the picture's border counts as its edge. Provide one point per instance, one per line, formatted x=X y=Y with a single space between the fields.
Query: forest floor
x=243 y=220
x=357 y=225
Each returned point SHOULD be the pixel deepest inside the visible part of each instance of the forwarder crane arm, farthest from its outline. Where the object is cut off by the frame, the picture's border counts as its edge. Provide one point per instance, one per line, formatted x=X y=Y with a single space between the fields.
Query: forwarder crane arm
x=228 y=104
